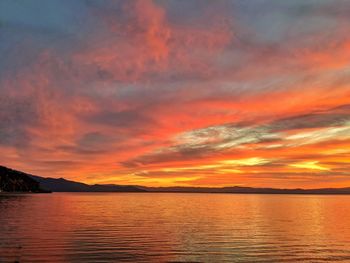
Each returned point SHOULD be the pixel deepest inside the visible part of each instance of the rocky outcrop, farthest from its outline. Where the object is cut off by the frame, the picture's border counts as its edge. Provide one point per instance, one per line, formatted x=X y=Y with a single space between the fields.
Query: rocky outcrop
x=15 y=181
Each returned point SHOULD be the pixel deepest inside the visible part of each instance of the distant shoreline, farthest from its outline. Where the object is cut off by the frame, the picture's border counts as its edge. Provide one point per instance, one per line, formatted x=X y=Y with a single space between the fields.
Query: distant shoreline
x=166 y=192
x=24 y=193
x=13 y=182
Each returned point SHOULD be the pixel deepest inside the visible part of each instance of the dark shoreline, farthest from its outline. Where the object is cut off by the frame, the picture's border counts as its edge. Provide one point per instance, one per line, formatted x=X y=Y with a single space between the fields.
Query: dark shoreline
x=24 y=193
x=12 y=181
x=171 y=192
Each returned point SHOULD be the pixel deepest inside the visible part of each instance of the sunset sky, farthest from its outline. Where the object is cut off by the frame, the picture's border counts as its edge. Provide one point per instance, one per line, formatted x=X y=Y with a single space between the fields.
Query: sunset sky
x=188 y=92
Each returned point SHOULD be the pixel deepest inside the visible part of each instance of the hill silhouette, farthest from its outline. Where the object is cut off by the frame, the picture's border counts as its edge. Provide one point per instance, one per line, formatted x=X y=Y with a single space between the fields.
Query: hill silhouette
x=16 y=181
x=63 y=185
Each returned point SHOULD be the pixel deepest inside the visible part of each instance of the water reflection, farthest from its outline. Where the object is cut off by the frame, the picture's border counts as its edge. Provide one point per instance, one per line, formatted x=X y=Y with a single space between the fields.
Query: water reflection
x=174 y=227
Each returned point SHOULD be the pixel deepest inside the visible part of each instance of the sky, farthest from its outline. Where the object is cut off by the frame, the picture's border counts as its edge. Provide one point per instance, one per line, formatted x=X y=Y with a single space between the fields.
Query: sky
x=177 y=92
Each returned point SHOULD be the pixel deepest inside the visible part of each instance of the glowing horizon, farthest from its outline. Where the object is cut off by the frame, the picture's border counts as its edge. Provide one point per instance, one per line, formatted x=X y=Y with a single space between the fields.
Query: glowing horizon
x=186 y=93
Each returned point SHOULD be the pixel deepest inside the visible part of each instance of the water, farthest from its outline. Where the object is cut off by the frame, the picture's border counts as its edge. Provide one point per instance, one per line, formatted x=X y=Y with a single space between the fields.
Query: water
x=165 y=227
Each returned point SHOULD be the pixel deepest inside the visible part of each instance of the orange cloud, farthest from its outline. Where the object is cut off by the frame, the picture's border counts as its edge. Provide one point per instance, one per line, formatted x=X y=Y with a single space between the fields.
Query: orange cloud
x=150 y=99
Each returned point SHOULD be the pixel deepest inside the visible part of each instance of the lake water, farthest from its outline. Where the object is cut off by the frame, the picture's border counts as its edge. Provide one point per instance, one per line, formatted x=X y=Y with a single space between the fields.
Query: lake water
x=171 y=227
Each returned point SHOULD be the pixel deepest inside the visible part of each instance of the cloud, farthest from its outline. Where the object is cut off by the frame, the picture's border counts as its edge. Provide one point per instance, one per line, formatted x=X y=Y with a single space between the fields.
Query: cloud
x=92 y=143
x=294 y=131
x=16 y=116
x=134 y=91
x=121 y=119
x=339 y=116
x=310 y=165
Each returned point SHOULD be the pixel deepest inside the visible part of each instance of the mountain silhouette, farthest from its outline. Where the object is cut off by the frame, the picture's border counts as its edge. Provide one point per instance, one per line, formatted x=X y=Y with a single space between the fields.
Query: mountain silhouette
x=16 y=181
x=63 y=185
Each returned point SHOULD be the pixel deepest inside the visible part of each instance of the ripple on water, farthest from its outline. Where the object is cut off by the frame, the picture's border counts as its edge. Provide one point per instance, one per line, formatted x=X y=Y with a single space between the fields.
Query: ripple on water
x=174 y=228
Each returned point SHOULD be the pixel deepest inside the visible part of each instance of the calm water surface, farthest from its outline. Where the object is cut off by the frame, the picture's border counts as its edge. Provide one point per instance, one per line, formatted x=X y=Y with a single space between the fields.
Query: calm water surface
x=139 y=227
